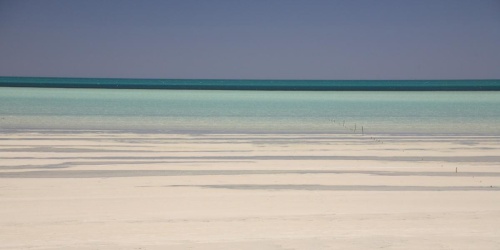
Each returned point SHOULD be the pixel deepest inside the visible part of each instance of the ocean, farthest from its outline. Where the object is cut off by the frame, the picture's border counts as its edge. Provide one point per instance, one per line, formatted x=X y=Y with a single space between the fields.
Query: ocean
x=286 y=85
x=243 y=111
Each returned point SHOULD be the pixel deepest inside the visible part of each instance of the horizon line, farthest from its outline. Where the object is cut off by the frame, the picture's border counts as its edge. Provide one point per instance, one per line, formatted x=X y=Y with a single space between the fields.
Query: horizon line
x=258 y=79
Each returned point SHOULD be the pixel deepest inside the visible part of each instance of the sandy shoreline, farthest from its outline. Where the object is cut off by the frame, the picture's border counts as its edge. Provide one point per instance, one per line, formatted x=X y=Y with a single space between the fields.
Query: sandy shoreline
x=248 y=191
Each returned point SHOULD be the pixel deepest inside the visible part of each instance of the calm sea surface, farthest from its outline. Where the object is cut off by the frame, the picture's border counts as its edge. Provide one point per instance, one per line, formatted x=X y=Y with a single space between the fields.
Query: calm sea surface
x=214 y=84
x=232 y=111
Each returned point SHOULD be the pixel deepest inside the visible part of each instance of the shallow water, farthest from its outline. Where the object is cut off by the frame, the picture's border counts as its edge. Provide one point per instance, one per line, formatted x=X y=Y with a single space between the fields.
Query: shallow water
x=212 y=111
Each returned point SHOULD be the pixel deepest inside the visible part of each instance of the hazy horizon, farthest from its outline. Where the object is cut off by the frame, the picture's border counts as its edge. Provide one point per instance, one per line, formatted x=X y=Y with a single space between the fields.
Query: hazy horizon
x=253 y=79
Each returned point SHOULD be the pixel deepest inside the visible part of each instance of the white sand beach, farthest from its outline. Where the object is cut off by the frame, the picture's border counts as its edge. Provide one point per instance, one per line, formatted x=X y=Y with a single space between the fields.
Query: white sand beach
x=249 y=125
x=105 y=190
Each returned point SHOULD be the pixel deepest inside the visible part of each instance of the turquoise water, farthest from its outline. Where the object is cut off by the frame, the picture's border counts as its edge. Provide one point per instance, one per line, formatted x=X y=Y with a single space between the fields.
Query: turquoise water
x=211 y=84
x=214 y=111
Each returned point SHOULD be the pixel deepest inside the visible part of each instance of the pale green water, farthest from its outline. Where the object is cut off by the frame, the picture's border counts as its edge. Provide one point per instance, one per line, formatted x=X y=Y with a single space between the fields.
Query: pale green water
x=250 y=111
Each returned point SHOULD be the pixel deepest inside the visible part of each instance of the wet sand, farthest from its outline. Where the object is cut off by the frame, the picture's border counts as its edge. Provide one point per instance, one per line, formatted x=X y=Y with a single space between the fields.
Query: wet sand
x=118 y=190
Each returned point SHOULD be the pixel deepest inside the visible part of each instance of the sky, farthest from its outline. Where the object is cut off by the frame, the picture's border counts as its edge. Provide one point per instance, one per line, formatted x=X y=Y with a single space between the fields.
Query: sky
x=252 y=39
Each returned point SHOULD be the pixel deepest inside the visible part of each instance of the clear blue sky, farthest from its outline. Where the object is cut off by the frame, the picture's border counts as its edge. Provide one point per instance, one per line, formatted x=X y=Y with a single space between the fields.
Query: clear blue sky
x=365 y=39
